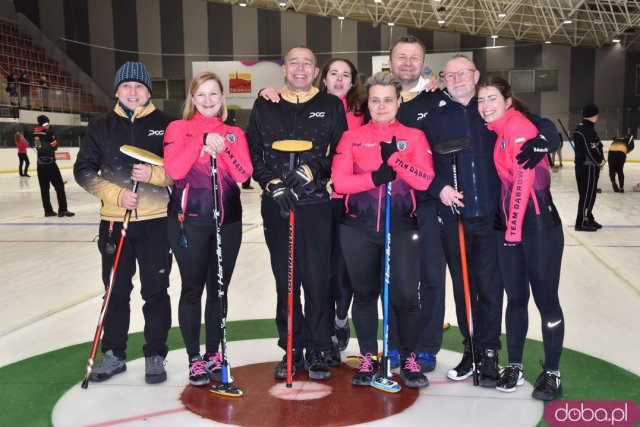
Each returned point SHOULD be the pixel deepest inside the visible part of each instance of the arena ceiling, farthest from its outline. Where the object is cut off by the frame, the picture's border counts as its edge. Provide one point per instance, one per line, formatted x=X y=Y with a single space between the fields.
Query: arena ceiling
x=588 y=23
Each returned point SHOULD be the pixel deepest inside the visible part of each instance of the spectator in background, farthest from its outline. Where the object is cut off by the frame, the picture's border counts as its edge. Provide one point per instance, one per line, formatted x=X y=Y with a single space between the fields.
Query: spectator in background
x=44 y=91
x=14 y=96
x=24 y=89
x=617 y=157
x=22 y=145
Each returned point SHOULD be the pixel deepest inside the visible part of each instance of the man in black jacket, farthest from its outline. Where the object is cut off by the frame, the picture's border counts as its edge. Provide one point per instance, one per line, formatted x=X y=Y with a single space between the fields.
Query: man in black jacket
x=303 y=113
x=46 y=144
x=589 y=160
x=105 y=172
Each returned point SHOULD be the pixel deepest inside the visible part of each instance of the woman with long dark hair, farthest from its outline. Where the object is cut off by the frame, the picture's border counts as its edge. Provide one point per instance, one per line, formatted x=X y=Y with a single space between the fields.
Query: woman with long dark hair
x=531 y=253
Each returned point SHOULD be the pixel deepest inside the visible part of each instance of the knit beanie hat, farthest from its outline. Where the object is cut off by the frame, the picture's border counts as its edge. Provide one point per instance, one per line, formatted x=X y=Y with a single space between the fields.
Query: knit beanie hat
x=590 y=110
x=133 y=72
x=43 y=120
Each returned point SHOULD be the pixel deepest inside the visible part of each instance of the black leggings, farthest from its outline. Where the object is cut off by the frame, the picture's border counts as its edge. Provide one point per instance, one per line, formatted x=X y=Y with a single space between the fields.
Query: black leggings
x=537 y=263
x=24 y=160
x=364 y=255
x=198 y=264
x=340 y=284
x=616 y=166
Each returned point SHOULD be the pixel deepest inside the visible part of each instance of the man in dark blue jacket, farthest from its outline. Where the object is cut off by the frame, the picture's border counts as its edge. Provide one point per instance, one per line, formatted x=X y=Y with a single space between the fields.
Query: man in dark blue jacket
x=457 y=118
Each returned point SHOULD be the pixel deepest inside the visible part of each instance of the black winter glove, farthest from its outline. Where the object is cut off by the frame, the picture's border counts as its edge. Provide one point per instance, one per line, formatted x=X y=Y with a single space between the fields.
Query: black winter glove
x=283 y=196
x=388 y=148
x=533 y=151
x=383 y=175
x=299 y=177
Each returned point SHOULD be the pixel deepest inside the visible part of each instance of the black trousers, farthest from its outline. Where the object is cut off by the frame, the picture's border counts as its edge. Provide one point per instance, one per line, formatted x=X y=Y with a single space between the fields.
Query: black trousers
x=198 y=264
x=432 y=278
x=340 y=283
x=49 y=174
x=23 y=162
x=364 y=255
x=587 y=180
x=616 y=160
x=485 y=284
x=313 y=247
x=432 y=282
x=535 y=262
x=146 y=242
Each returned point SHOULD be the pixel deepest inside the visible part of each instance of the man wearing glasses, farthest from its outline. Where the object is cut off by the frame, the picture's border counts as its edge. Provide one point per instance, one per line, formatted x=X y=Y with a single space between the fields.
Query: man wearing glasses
x=457 y=117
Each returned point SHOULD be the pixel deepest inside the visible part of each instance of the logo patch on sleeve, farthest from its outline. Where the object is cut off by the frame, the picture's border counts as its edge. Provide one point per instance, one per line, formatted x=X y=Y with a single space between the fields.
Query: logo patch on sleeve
x=231 y=138
x=402 y=145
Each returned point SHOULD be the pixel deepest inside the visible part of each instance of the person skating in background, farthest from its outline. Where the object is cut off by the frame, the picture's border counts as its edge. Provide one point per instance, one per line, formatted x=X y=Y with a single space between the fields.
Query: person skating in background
x=617 y=157
x=530 y=255
x=46 y=144
x=105 y=172
x=589 y=158
x=363 y=165
x=189 y=145
x=23 y=159
x=557 y=153
x=302 y=113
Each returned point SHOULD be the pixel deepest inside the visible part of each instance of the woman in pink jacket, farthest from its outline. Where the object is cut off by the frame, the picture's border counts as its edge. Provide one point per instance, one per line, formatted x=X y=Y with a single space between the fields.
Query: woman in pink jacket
x=531 y=253
x=366 y=159
x=188 y=146
x=23 y=158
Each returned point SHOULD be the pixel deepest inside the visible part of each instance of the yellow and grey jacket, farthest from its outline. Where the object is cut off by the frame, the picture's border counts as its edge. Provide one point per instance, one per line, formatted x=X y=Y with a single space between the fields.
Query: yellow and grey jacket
x=105 y=172
x=624 y=145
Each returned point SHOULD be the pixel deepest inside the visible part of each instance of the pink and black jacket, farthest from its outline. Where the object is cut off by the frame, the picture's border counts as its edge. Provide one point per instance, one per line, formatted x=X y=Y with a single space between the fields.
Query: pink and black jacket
x=191 y=195
x=525 y=198
x=358 y=154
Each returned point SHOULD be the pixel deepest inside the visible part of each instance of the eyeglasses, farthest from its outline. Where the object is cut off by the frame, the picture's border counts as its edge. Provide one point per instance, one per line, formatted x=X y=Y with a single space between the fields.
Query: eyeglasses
x=462 y=74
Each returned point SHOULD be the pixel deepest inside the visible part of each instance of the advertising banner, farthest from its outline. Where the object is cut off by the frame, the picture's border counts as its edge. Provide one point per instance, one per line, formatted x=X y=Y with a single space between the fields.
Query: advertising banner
x=241 y=80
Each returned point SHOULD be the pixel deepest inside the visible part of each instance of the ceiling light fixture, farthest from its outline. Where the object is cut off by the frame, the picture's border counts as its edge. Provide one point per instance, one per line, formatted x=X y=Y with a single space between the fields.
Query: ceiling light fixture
x=502 y=14
x=341 y=18
x=282 y=4
x=616 y=39
x=242 y=4
x=377 y=1
x=567 y=20
x=547 y=42
x=495 y=36
x=441 y=21
x=391 y=24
